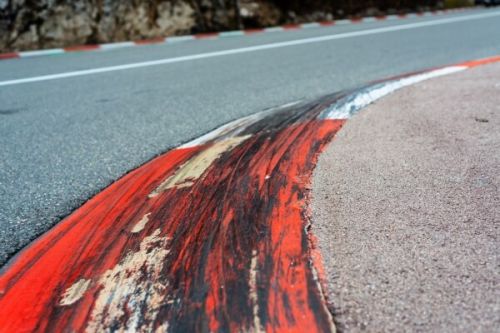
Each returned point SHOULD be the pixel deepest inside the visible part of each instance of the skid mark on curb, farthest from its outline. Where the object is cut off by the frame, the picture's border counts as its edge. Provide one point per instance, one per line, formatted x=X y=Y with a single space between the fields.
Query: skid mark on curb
x=208 y=237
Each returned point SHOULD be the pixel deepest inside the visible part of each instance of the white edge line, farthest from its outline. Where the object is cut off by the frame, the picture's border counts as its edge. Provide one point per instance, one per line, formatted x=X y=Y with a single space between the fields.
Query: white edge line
x=173 y=39
x=250 y=49
x=349 y=105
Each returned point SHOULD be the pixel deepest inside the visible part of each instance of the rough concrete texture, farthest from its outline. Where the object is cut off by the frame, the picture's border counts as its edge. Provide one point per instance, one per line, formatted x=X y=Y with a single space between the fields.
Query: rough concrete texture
x=29 y=24
x=406 y=208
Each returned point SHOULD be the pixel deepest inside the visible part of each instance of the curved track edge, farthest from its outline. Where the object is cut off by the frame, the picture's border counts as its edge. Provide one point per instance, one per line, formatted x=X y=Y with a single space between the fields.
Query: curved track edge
x=210 y=237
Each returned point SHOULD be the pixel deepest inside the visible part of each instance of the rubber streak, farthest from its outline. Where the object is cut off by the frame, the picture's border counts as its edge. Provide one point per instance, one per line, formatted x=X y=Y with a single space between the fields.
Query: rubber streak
x=209 y=237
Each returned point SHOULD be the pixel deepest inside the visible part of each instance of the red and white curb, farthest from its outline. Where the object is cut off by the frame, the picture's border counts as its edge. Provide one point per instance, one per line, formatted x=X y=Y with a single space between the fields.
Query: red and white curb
x=217 y=35
x=345 y=107
x=213 y=236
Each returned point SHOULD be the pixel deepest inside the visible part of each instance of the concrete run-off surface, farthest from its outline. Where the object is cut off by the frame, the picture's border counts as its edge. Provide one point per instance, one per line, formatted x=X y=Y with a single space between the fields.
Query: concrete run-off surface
x=406 y=208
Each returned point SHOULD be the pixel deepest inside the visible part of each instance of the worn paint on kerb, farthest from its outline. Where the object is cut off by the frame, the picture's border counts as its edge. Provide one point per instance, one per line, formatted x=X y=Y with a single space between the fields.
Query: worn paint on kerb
x=191 y=170
x=141 y=224
x=222 y=245
x=132 y=286
x=75 y=292
x=253 y=294
x=206 y=238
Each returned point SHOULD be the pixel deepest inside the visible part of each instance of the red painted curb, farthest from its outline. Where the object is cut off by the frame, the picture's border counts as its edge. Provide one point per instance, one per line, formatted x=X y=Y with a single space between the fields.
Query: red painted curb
x=9 y=55
x=210 y=237
x=480 y=62
x=221 y=249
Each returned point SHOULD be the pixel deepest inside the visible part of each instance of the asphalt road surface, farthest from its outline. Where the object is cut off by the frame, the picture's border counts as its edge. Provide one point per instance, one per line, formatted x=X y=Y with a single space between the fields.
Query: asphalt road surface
x=72 y=124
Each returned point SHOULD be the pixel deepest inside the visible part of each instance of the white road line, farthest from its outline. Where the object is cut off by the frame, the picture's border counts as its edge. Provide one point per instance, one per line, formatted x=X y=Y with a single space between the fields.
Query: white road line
x=251 y=49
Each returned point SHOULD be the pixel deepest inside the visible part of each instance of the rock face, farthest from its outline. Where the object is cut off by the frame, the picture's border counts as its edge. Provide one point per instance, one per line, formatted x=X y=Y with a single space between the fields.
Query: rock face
x=28 y=24
x=51 y=23
x=36 y=24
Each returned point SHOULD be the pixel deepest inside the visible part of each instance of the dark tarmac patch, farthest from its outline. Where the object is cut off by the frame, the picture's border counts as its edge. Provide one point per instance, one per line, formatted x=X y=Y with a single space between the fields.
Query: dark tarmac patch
x=8 y=112
x=481 y=120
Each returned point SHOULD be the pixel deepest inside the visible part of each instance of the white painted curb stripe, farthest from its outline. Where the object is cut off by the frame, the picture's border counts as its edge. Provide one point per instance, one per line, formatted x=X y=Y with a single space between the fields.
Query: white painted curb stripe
x=342 y=22
x=310 y=25
x=232 y=33
x=346 y=107
x=274 y=29
x=177 y=39
x=27 y=54
x=110 y=46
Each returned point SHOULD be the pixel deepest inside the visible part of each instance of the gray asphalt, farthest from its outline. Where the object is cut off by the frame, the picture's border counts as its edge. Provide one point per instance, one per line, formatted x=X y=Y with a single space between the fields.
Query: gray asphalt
x=64 y=140
x=406 y=207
